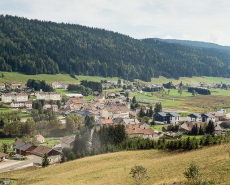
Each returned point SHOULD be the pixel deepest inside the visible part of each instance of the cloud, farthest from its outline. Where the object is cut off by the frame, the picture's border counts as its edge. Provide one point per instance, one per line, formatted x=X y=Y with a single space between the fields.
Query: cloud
x=204 y=20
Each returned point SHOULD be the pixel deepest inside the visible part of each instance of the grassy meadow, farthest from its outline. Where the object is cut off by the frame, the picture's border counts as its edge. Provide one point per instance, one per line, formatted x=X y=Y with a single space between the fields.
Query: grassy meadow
x=193 y=80
x=114 y=168
x=15 y=76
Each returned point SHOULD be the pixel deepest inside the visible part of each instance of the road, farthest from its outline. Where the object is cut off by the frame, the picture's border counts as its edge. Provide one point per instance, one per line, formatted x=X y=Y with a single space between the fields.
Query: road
x=15 y=165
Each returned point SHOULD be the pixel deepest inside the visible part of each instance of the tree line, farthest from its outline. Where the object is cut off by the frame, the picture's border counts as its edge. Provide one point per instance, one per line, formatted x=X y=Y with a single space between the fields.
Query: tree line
x=35 y=47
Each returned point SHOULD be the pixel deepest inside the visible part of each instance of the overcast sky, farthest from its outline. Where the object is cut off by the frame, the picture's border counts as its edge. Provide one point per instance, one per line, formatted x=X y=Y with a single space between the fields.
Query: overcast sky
x=200 y=20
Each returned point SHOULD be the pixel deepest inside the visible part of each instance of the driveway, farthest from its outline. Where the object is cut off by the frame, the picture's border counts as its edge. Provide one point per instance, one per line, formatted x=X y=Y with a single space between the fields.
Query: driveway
x=9 y=165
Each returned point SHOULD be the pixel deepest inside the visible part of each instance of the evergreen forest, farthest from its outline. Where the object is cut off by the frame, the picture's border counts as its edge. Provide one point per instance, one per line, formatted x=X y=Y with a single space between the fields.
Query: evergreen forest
x=35 y=47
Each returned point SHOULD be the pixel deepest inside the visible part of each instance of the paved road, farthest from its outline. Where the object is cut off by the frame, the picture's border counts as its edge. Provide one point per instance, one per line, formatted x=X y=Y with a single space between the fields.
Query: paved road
x=16 y=166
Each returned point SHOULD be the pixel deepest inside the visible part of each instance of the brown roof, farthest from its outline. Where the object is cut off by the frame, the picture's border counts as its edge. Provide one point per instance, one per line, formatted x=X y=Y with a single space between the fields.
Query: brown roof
x=41 y=150
x=78 y=101
x=17 y=142
x=106 y=121
x=140 y=131
x=217 y=114
x=2 y=155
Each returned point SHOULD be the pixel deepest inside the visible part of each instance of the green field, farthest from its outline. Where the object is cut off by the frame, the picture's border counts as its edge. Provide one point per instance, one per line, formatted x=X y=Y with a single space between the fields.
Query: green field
x=7 y=140
x=5 y=110
x=157 y=127
x=193 y=80
x=51 y=141
x=15 y=76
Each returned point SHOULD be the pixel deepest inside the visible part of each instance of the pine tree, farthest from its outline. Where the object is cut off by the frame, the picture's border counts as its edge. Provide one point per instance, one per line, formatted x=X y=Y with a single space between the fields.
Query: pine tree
x=134 y=100
x=210 y=129
x=45 y=160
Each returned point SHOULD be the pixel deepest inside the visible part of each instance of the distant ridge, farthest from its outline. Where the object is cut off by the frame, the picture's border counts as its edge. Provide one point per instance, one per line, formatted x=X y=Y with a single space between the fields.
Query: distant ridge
x=40 y=47
x=199 y=44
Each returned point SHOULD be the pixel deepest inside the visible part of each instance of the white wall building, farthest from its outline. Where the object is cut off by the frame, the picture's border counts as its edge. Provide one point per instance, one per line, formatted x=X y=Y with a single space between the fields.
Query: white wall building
x=17 y=97
x=48 y=95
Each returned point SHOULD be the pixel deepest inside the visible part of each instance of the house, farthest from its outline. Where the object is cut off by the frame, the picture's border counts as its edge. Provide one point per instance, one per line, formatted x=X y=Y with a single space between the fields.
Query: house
x=115 y=111
x=136 y=131
x=111 y=95
x=17 y=97
x=17 y=142
x=160 y=117
x=187 y=126
x=23 y=149
x=208 y=117
x=53 y=108
x=59 y=85
x=40 y=95
x=23 y=104
x=40 y=138
x=2 y=156
x=144 y=109
x=2 y=86
x=218 y=116
x=144 y=126
x=15 y=85
x=106 y=122
x=173 y=118
x=75 y=96
x=67 y=141
x=195 y=117
x=218 y=129
x=130 y=121
x=38 y=153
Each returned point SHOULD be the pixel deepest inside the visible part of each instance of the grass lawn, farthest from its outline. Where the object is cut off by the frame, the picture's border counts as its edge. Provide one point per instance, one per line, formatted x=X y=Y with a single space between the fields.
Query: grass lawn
x=157 y=127
x=7 y=140
x=25 y=116
x=112 y=90
x=51 y=141
x=15 y=76
x=193 y=80
x=5 y=110
x=63 y=91
x=221 y=92
x=163 y=167
x=90 y=97
x=185 y=136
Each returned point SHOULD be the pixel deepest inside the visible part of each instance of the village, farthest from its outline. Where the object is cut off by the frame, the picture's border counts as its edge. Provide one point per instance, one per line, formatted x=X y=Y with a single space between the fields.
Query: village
x=110 y=108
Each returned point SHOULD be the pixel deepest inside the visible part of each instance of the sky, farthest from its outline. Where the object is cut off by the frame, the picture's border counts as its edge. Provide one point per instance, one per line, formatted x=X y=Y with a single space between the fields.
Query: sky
x=197 y=20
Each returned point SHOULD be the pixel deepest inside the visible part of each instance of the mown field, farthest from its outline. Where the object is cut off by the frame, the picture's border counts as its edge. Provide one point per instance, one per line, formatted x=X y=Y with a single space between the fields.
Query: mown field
x=162 y=167
x=15 y=76
x=193 y=80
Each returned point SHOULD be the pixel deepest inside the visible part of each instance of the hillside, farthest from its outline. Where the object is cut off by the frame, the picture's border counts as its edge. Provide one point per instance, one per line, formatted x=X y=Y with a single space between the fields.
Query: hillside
x=197 y=44
x=114 y=168
x=38 y=47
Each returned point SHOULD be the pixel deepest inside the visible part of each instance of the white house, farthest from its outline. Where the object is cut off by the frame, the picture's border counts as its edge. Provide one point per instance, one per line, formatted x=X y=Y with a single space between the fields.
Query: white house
x=115 y=111
x=2 y=86
x=53 y=155
x=23 y=104
x=17 y=97
x=67 y=141
x=40 y=95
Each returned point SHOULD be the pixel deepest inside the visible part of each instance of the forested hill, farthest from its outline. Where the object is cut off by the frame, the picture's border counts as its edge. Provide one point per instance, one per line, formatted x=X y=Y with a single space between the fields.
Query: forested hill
x=34 y=47
x=197 y=44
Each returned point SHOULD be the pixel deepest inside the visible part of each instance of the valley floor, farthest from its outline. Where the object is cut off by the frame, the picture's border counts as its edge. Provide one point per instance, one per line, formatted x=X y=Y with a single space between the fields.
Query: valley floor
x=162 y=167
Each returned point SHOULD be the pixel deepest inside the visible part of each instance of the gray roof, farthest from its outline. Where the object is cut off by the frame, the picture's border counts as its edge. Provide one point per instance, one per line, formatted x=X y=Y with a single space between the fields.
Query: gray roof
x=23 y=146
x=173 y=114
x=208 y=115
x=162 y=114
x=197 y=115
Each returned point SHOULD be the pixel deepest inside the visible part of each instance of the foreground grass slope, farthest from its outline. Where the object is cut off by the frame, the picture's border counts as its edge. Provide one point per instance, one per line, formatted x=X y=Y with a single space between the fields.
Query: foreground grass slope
x=114 y=168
